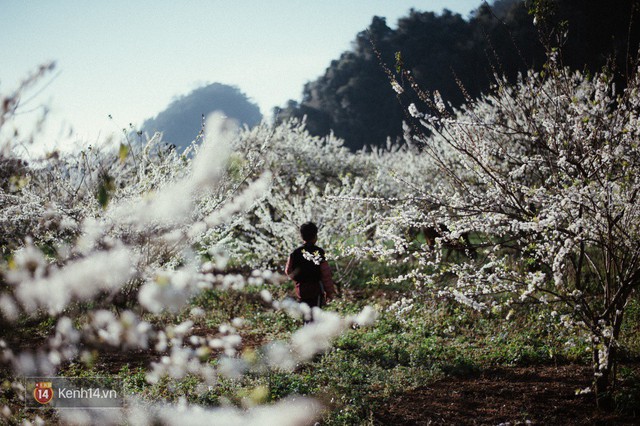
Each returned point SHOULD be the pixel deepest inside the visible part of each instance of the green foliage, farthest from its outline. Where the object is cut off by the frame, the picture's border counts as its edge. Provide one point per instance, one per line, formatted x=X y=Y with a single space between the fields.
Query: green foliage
x=630 y=337
x=106 y=186
x=123 y=151
x=542 y=9
x=302 y=383
x=628 y=400
x=133 y=381
x=399 y=62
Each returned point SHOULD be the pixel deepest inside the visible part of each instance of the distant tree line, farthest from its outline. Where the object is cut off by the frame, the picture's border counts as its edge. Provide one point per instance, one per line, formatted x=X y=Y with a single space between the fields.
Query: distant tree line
x=459 y=57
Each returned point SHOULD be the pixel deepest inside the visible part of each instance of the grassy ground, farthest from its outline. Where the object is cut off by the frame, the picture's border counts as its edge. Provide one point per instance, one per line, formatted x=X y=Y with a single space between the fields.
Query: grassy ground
x=384 y=374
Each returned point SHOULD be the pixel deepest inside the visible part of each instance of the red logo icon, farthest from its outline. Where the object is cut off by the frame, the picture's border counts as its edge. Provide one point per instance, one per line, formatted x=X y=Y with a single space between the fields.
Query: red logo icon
x=43 y=393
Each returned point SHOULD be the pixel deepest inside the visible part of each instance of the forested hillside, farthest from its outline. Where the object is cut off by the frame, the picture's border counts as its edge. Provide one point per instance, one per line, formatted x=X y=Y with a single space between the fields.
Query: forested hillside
x=458 y=56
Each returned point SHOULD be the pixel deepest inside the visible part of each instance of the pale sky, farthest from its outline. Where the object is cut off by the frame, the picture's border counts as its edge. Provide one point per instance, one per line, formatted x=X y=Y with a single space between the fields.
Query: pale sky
x=129 y=58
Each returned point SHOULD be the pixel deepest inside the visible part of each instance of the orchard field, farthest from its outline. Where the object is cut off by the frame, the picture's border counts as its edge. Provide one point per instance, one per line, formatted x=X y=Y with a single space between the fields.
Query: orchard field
x=488 y=267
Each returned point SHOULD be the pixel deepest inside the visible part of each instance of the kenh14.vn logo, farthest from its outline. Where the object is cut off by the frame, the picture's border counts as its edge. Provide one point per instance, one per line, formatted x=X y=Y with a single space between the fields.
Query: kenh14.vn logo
x=73 y=392
x=43 y=392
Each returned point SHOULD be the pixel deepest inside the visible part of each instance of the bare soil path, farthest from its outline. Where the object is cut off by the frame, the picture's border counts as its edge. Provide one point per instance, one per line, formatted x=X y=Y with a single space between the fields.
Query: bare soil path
x=540 y=395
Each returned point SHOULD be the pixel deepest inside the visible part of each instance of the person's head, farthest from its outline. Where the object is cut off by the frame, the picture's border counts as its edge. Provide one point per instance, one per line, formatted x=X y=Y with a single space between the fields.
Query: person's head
x=309 y=232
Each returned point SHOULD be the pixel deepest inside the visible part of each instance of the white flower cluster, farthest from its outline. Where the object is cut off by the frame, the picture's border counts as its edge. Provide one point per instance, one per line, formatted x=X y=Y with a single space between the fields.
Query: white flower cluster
x=314 y=257
x=105 y=270
x=402 y=308
x=126 y=330
x=396 y=87
x=315 y=337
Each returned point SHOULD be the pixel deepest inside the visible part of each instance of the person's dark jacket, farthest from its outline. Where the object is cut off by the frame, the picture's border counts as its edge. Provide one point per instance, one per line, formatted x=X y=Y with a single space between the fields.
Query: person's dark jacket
x=309 y=269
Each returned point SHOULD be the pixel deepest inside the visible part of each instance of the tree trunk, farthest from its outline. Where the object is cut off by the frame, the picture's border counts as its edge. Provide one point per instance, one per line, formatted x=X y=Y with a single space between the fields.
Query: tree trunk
x=602 y=378
x=603 y=368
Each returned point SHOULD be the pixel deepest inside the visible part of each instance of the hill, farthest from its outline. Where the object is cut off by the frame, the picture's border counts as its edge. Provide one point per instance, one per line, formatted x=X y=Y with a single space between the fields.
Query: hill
x=181 y=121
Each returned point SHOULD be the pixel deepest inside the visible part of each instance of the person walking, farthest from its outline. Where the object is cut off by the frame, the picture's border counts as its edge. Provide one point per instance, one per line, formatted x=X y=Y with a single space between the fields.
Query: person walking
x=309 y=269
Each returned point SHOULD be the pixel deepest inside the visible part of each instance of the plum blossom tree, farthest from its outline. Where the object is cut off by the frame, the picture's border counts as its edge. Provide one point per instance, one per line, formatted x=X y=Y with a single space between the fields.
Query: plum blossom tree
x=545 y=177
